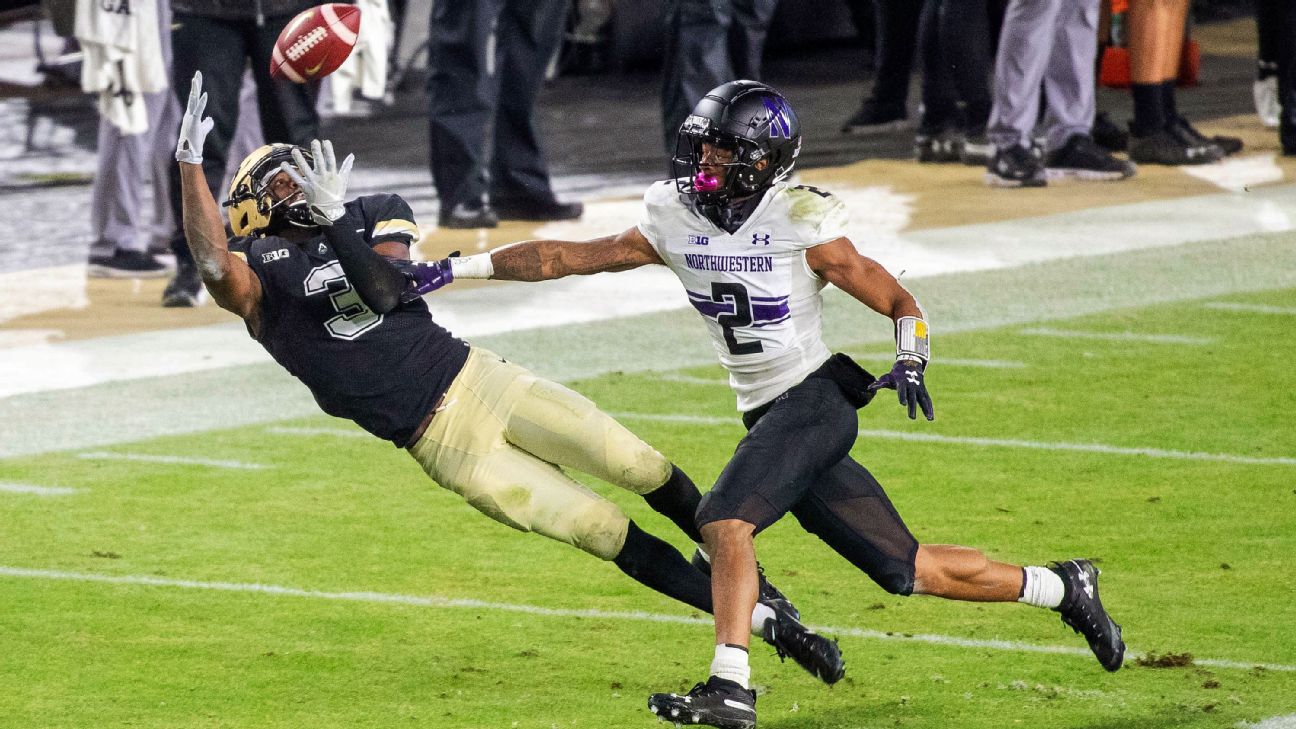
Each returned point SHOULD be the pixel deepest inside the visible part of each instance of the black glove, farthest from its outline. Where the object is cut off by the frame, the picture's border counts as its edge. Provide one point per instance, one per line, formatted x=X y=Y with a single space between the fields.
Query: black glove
x=906 y=378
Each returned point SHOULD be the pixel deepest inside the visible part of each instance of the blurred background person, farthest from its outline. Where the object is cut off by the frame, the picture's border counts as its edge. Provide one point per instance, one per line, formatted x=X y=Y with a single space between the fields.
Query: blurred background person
x=133 y=162
x=895 y=38
x=221 y=38
x=1049 y=45
x=472 y=90
x=709 y=43
x=1158 y=133
x=956 y=39
x=1276 y=22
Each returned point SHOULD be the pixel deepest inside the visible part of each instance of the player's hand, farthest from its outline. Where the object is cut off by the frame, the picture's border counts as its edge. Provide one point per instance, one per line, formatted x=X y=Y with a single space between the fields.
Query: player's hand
x=906 y=378
x=193 y=127
x=425 y=276
x=324 y=185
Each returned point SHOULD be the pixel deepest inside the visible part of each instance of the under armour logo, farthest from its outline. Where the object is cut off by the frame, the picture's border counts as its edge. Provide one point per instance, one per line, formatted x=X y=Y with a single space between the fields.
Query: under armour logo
x=758 y=238
x=912 y=376
x=323 y=249
x=1086 y=584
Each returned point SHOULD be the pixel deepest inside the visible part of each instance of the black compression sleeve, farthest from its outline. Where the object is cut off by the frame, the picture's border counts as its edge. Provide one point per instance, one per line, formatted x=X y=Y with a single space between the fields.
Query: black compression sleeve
x=374 y=278
x=660 y=566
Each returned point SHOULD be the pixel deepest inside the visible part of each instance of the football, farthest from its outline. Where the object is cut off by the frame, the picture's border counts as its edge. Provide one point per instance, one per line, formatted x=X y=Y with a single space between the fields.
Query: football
x=315 y=43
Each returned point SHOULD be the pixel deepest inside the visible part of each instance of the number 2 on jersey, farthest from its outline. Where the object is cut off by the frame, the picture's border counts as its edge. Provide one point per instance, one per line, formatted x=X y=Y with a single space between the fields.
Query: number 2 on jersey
x=723 y=293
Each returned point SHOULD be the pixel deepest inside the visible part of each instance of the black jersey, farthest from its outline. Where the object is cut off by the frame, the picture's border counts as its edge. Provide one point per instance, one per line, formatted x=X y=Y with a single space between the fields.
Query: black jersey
x=383 y=371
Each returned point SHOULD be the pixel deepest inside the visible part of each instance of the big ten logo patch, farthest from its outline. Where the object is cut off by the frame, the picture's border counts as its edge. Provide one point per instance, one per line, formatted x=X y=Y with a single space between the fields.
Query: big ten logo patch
x=117 y=7
x=269 y=256
x=698 y=240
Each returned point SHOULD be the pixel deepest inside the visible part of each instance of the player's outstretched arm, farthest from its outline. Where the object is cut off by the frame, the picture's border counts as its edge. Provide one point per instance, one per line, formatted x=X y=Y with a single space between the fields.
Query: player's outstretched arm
x=840 y=264
x=231 y=282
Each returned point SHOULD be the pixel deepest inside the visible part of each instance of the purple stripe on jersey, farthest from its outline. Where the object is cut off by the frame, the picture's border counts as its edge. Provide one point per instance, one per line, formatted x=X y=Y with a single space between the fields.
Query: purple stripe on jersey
x=769 y=298
x=769 y=313
x=759 y=324
x=712 y=309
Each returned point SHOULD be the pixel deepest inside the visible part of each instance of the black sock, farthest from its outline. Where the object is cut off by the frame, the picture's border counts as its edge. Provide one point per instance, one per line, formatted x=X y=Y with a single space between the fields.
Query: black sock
x=656 y=564
x=1168 y=101
x=1149 y=110
x=678 y=500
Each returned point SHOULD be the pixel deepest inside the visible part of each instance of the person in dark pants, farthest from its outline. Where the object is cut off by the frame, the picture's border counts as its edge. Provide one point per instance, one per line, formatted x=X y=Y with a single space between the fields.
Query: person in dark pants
x=470 y=93
x=221 y=38
x=895 y=38
x=709 y=42
x=957 y=41
x=1276 y=19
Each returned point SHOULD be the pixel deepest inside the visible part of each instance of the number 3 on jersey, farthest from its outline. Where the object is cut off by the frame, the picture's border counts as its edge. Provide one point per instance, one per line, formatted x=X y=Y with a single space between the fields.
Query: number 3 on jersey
x=735 y=294
x=354 y=318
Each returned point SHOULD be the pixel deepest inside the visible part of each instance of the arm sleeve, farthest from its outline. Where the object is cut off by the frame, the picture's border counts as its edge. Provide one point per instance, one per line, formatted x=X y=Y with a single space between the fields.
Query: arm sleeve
x=377 y=281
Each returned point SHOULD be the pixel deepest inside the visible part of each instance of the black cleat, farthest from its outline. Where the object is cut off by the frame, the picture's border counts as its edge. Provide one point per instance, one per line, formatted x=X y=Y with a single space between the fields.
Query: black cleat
x=718 y=702
x=1083 y=611
x=819 y=655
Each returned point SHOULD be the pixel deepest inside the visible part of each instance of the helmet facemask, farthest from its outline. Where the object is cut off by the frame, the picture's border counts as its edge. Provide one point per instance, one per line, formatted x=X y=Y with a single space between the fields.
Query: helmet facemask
x=743 y=175
x=252 y=203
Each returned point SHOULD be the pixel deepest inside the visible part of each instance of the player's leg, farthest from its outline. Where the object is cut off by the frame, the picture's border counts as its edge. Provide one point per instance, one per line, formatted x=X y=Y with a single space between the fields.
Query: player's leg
x=464 y=450
x=789 y=442
x=849 y=510
x=564 y=427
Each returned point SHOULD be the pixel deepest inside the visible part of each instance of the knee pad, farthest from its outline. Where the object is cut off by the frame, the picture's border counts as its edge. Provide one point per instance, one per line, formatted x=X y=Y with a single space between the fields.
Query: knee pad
x=898 y=581
x=600 y=529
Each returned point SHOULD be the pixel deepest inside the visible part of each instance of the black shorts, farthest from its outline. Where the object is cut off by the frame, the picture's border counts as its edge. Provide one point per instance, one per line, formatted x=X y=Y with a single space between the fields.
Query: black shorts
x=795 y=457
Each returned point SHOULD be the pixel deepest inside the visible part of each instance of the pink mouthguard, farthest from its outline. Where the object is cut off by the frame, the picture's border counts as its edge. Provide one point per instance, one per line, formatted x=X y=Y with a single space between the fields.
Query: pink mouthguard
x=702 y=182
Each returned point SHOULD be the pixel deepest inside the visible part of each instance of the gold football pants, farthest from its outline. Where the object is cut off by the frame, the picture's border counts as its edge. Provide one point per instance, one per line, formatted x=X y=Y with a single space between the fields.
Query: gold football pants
x=500 y=436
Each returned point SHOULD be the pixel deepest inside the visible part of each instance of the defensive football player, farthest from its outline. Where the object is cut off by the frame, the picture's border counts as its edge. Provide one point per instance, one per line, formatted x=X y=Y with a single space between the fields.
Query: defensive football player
x=306 y=272
x=753 y=253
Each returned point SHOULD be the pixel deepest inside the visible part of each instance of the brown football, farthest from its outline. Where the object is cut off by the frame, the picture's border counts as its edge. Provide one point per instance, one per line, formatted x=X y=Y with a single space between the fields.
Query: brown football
x=315 y=43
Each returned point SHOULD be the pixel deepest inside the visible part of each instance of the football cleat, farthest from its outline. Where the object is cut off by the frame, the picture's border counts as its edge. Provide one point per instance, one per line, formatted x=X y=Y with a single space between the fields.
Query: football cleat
x=819 y=655
x=1083 y=611
x=718 y=702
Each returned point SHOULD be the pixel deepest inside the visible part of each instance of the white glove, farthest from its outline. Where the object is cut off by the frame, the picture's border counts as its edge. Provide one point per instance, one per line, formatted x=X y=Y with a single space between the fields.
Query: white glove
x=325 y=184
x=193 y=127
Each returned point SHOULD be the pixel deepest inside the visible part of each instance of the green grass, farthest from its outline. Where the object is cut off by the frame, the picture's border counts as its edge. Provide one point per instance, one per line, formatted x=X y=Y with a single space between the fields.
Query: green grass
x=1196 y=557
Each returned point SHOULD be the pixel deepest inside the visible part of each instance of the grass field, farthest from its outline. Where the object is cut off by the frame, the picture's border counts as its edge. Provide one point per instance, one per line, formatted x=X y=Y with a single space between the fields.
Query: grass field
x=335 y=586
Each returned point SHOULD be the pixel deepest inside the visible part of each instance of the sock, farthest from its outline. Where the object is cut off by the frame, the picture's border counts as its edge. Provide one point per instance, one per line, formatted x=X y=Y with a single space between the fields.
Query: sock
x=730 y=663
x=760 y=614
x=1041 y=587
x=658 y=565
x=1168 y=101
x=678 y=500
x=1149 y=113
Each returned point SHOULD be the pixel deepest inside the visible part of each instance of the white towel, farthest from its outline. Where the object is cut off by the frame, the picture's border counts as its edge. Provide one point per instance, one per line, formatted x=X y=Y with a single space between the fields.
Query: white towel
x=367 y=64
x=123 y=58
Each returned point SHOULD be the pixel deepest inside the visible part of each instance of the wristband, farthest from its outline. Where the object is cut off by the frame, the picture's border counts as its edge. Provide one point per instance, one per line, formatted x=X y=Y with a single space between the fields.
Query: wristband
x=475 y=266
x=912 y=341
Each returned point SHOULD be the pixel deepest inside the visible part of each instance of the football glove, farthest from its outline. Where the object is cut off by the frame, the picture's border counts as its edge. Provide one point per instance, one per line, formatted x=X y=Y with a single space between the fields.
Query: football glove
x=193 y=127
x=324 y=185
x=424 y=277
x=906 y=378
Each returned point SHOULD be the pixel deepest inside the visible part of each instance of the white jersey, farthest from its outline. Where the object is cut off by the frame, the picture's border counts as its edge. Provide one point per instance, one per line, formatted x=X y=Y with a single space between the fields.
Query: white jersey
x=753 y=288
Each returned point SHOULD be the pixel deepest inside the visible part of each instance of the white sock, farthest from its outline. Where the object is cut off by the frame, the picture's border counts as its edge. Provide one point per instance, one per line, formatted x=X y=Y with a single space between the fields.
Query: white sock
x=1042 y=587
x=760 y=614
x=730 y=663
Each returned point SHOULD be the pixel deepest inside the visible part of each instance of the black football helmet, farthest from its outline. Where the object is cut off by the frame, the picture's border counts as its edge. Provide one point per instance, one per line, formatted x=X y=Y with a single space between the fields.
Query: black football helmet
x=754 y=121
x=252 y=209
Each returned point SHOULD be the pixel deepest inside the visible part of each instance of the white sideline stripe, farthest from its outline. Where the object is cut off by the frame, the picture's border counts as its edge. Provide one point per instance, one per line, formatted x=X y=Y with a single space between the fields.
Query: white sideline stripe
x=177 y=460
x=1251 y=308
x=339 y=432
x=26 y=488
x=1117 y=336
x=1001 y=442
x=436 y=601
x=1287 y=721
